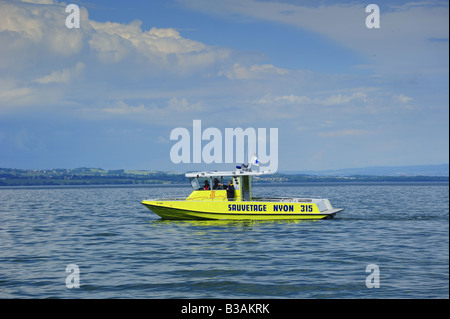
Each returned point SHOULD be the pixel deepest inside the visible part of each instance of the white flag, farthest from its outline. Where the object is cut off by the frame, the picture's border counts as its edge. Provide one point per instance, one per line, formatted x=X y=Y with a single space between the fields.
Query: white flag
x=255 y=161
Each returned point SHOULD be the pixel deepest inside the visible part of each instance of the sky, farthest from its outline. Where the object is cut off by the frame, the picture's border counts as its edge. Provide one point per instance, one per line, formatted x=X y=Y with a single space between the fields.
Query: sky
x=109 y=94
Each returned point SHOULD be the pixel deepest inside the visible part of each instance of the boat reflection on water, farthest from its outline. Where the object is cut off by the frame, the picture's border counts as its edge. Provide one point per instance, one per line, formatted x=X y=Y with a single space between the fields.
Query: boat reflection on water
x=230 y=223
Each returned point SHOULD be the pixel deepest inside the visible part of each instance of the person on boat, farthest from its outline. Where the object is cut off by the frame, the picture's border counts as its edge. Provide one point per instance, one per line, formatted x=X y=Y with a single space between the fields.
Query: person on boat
x=206 y=186
x=217 y=185
x=230 y=191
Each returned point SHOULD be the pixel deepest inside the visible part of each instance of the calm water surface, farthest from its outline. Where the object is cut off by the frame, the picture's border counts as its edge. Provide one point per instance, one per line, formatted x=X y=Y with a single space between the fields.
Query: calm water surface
x=125 y=251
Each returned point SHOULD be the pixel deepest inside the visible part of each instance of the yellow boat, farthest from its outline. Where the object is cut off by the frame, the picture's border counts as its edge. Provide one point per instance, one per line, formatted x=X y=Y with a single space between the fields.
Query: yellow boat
x=234 y=201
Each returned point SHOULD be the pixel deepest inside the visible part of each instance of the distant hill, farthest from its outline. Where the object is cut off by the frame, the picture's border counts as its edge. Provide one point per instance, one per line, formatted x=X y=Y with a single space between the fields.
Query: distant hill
x=98 y=176
x=417 y=170
x=85 y=176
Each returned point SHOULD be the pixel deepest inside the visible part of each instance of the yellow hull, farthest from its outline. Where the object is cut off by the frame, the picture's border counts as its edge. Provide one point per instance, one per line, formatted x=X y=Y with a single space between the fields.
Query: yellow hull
x=238 y=210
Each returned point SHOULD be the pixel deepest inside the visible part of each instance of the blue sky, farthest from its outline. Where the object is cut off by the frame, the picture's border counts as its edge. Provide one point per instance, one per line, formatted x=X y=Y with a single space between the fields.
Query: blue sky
x=109 y=94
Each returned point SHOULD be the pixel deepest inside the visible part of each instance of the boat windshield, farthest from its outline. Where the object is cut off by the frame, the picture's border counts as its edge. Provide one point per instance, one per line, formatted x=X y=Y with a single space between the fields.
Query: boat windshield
x=194 y=183
x=201 y=183
x=212 y=183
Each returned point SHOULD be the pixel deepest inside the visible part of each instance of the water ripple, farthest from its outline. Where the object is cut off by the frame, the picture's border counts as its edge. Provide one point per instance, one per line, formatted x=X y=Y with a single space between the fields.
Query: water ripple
x=124 y=251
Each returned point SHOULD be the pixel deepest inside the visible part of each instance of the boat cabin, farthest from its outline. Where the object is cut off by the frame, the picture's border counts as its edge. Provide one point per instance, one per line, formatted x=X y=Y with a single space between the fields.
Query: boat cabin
x=214 y=186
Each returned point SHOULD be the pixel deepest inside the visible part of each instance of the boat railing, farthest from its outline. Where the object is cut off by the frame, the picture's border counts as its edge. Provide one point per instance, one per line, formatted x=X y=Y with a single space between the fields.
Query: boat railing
x=254 y=199
x=180 y=198
x=282 y=199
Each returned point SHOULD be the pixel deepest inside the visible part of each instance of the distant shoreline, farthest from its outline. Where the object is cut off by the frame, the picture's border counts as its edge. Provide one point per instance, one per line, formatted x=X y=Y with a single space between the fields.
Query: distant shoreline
x=93 y=176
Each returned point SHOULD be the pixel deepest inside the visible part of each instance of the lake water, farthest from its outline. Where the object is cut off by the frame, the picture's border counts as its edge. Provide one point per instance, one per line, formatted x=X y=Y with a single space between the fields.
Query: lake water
x=123 y=250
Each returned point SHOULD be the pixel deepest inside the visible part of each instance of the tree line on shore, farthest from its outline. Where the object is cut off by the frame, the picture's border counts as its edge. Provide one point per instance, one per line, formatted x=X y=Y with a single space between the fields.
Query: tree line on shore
x=97 y=176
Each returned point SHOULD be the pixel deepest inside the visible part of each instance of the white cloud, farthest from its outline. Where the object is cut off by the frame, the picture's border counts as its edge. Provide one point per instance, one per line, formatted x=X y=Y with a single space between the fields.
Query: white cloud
x=343 y=133
x=255 y=71
x=342 y=99
x=129 y=54
x=162 y=47
x=121 y=108
x=293 y=99
x=404 y=42
x=39 y=27
x=113 y=59
x=285 y=99
x=172 y=110
x=182 y=105
x=333 y=108
x=335 y=99
x=12 y=94
x=62 y=76
x=402 y=98
x=33 y=34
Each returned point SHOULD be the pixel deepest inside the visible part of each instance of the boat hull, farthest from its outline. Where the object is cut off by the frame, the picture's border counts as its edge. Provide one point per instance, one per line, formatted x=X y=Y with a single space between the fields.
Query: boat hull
x=191 y=210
